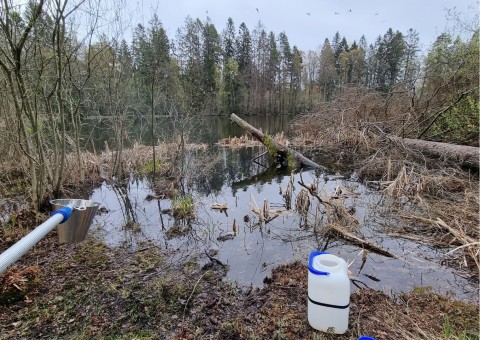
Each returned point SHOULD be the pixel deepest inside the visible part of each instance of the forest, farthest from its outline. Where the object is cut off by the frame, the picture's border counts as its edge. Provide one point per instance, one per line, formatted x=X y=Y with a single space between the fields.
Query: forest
x=393 y=125
x=54 y=74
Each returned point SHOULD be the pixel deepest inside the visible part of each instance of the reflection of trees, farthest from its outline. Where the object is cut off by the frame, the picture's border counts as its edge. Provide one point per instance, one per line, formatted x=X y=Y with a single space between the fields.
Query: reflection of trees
x=267 y=176
x=128 y=210
x=235 y=167
x=239 y=171
x=207 y=130
x=97 y=132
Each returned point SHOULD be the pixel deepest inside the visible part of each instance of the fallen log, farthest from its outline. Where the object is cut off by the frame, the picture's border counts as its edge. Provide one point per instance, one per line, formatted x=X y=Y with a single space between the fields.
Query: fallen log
x=279 y=151
x=461 y=154
x=344 y=233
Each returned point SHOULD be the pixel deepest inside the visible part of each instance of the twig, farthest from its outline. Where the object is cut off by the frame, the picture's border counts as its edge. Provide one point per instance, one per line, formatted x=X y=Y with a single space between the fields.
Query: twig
x=439 y=113
x=463 y=246
x=314 y=194
x=191 y=294
x=215 y=260
x=145 y=249
x=254 y=160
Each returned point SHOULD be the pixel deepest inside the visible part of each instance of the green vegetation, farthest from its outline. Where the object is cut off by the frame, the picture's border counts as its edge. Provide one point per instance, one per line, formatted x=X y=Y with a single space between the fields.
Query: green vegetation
x=241 y=70
x=291 y=162
x=183 y=207
x=149 y=166
x=53 y=77
x=120 y=294
x=270 y=145
x=452 y=68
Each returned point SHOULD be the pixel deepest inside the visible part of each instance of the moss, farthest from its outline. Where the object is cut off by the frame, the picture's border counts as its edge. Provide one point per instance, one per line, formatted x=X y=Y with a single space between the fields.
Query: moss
x=270 y=145
x=91 y=254
x=285 y=159
x=229 y=330
x=149 y=259
x=459 y=317
x=291 y=162
x=18 y=188
x=142 y=334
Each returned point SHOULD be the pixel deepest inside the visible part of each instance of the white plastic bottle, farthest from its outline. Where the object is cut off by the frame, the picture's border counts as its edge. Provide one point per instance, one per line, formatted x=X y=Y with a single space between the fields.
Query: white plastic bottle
x=328 y=293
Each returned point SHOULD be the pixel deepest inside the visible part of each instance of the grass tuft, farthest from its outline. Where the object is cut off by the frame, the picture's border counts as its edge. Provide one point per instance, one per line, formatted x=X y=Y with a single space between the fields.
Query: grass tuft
x=183 y=207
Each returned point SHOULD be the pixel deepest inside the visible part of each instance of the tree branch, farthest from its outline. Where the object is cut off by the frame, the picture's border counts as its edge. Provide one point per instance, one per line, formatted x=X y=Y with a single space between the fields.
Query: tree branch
x=439 y=113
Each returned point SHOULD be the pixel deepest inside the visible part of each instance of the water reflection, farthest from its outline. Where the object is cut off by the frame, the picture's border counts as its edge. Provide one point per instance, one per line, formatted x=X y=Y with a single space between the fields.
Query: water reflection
x=201 y=129
x=252 y=248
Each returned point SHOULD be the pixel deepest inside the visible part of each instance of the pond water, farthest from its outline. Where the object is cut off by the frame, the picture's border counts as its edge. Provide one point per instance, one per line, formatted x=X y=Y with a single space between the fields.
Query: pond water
x=252 y=248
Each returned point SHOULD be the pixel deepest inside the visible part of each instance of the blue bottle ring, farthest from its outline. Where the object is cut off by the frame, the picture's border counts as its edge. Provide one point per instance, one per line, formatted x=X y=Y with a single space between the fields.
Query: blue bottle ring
x=310 y=263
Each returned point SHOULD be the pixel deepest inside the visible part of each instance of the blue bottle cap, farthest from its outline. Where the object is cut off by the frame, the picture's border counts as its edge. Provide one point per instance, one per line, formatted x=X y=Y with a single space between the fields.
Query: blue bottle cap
x=310 y=263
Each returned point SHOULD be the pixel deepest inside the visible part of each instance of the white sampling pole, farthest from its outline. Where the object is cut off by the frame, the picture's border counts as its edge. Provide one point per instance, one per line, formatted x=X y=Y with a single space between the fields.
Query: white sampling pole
x=15 y=252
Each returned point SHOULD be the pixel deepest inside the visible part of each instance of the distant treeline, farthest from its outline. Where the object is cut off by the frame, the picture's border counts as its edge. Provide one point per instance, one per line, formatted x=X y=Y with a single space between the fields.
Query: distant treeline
x=55 y=69
x=250 y=72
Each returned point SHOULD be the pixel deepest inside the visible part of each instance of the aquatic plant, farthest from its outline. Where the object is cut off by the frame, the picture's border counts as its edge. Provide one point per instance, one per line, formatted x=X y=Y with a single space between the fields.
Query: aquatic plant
x=183 y=207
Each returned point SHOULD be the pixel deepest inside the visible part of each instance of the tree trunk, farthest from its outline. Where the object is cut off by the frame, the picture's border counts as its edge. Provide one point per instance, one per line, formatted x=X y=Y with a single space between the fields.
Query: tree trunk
x=281 y=150
x=461 y=154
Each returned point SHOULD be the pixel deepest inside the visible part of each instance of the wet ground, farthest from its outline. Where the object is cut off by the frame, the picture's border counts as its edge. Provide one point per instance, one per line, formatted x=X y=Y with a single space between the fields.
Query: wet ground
x=141 y=273
x=251 y=248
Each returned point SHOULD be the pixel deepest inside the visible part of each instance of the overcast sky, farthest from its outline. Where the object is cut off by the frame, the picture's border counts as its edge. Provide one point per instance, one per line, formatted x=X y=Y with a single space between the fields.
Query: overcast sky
x=308 y=22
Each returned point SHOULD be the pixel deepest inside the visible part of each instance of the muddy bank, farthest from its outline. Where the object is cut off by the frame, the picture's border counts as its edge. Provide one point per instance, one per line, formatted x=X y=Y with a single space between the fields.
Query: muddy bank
x=433 y=199
x=87 y=290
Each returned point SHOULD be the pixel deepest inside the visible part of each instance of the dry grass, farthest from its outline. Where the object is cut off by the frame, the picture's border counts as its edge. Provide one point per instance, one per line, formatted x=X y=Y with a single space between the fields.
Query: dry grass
x=246 y=141
x=135 y=160
x=342 y=122
x=448 y=214
x=243 y=141
x=16 y=283
x=80 y=176
x=279 y=311
x=94 y=291
x=353 y=128
x=302 y=202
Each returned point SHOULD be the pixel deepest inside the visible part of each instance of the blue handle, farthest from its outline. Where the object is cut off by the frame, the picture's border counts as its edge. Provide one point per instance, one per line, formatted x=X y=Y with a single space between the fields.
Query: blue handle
x=310 y=263
x=65 y=211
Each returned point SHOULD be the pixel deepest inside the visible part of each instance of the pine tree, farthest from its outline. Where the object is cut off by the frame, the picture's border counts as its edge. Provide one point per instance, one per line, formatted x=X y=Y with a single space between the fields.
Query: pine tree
x=244 y=60
x=411 y=64
x=393 y=54
x=231 y=80
x=327 y=74
x=228 y=41
x=260 y=68
x=273 y=73
x=286 y=61
x=295 y=77
x=191 y=62
x=211 y=59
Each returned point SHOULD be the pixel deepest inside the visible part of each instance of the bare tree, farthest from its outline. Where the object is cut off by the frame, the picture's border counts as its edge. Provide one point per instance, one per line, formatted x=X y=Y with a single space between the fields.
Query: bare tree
x=36 y=51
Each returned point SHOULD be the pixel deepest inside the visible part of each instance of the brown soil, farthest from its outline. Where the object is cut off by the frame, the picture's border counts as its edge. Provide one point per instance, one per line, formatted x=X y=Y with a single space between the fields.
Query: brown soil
x=87 y=290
